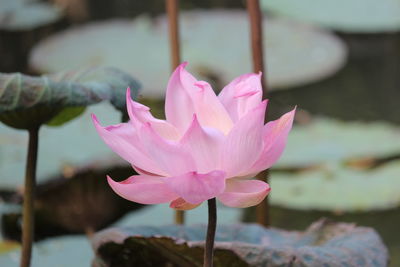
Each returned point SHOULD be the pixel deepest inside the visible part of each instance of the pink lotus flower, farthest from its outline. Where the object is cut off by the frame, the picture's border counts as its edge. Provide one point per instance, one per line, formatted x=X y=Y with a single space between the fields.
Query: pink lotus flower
x=209 y=146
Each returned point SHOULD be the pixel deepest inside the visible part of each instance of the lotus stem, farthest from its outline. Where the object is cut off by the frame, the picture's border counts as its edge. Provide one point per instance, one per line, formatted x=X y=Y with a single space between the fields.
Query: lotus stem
x=29 y=197
x=256 y=32
x=173 y=28
x=212 y=225
x=173 y=25
x=179 y=217
x=255 y=18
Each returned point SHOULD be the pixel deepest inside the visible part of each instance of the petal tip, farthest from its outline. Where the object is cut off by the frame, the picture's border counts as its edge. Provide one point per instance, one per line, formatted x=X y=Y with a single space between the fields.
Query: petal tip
x=94 y=119
x=111 y=182
x=128 y=93
x=262 y=105
x=183 y=64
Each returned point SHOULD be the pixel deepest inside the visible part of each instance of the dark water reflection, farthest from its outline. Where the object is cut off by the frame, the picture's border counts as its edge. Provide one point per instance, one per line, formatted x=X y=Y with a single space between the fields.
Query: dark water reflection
x=367 y=88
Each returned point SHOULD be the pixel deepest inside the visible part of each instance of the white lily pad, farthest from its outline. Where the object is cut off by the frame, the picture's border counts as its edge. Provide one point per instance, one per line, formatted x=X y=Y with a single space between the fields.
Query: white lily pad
x=18 y=15
x=338 y=188
x=329 y=140
x=70 y=144
x=358 y=16
x=158 y=215
x=55 y=252
x=215 y=43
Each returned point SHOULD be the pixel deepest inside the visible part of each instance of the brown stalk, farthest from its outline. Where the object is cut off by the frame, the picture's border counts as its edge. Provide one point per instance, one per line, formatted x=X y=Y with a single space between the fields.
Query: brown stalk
x=173 y=28
x=255 y=18
x=28 y=217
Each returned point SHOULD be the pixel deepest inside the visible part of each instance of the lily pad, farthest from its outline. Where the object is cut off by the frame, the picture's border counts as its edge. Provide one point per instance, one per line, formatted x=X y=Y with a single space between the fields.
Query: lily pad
x=78 y=201
x=295 y=53
x=357 y=16
x=23 y=15
x=54 y=252
x=158 y=215
x=326 y=140
x=338 y=188
x=322 y=244
x=27 y=101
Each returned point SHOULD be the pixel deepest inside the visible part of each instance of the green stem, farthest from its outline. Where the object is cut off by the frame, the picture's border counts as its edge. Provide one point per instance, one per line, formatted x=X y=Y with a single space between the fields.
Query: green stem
x=212 y=225
x=29 y=195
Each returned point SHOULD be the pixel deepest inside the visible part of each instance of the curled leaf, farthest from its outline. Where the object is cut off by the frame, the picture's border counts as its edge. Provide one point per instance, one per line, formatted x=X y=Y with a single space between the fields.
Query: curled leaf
x=27 y=101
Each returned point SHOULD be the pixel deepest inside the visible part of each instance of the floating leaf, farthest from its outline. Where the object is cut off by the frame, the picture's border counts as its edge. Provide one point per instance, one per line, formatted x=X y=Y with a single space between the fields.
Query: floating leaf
x=27 y=102
x=353 y=160
x=54 y=252
x=359 y=16
x=296 y=54
x=241 y=245
x=23 y=15
x=334 y=141
x=79 y=201
x=338 y=188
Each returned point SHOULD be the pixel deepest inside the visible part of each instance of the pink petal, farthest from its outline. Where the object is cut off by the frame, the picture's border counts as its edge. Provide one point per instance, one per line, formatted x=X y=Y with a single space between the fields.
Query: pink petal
x=140 y=114
x=141 y=171
x=242 y=95
x=243 y=145
x=179 y=107
x=123 y=140
x=196 y=188
x=244 y=193
x=204 y=144
x=275 y=135
x=181 y=204
x=209 y=109
x=143 y=189
x=170 y=156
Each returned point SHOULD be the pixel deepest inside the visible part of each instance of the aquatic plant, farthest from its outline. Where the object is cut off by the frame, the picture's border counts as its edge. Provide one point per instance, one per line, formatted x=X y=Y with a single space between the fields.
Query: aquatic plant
x=208 y=147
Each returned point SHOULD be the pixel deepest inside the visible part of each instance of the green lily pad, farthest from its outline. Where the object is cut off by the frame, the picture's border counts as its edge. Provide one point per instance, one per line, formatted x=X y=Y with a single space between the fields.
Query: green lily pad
x=66 y=115
x=23 y=15
x=295 y=53
x=338 y=188
x=326 y=140
x=322 y=244
x=358 y=16
x=27 y=102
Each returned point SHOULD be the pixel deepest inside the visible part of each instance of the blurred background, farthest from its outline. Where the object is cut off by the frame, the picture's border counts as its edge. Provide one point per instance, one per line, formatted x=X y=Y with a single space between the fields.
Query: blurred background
x=338 y=61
